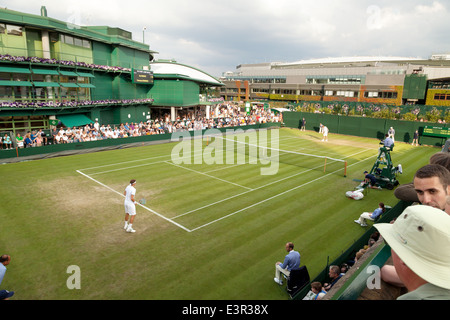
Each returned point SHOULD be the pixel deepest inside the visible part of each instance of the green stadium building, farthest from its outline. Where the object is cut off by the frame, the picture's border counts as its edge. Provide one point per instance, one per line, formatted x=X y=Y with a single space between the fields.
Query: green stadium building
x=392 y=81
x=56 y=73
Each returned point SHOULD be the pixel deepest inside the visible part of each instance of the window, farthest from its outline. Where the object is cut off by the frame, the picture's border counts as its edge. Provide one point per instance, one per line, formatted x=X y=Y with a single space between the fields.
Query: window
x=78 y=42
x=13 y=30
x=86 y=44
x=68 y=39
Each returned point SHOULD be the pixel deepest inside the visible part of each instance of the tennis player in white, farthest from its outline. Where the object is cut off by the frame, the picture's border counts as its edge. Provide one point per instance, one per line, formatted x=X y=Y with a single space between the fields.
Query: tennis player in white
x=130 y=205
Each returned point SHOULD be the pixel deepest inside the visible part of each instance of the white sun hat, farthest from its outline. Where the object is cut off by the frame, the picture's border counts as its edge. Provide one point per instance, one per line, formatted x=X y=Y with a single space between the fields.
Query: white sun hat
x=420 y=236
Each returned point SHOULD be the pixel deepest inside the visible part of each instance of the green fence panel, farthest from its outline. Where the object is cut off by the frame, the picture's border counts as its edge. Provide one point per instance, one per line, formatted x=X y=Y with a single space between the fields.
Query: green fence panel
x=364 y=126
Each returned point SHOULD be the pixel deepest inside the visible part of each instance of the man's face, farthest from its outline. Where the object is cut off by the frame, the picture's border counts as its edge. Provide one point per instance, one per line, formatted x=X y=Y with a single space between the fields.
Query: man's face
x=431 y=192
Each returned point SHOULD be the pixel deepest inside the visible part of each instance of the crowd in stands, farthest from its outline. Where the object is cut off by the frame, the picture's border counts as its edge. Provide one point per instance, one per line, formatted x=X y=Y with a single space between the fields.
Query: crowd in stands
x=225 y=115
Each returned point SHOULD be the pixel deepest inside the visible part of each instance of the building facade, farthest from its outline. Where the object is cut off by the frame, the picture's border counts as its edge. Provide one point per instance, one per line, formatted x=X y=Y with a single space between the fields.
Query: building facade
x=56 y=72
x=380 y=80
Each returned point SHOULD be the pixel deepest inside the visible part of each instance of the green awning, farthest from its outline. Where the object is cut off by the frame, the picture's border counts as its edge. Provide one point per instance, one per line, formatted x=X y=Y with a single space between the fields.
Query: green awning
x=68 y=73
x=74 y=120
x=68 y=85
x=45 y=71
x=14 y=70
x=85 y=85
x=85 y=74
x=15 y=83
x=45 y=84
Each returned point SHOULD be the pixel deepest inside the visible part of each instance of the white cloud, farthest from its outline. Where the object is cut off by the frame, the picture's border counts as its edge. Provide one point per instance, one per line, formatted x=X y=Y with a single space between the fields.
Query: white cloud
x=218 y=35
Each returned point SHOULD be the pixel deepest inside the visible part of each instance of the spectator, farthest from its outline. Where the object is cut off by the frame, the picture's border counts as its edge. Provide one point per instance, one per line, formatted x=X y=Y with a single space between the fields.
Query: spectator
x=334 y=274
x=28 y=142
x=432 y=184
x=33 y=137
x=4 y=261
x=7 y=141
x=370 y=215
x=291 y=261
x=406 y=192
x=419 y=241
x=317 y=289
x=19 y=141
x=1 y=143
x=54 y=133
x=43 y=136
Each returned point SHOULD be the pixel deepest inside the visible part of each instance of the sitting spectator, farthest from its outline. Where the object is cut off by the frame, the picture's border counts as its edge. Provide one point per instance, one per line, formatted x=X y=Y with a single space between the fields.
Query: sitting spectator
x=370 y=215
x=335 y=275
x=1 y=143
x=19 y=141
x=419 y=240
x=318 y=290
x=406 y=192
x=28 y=142
x=344 y=268
x=42 y=136
x=7 y=141
x=33 y=137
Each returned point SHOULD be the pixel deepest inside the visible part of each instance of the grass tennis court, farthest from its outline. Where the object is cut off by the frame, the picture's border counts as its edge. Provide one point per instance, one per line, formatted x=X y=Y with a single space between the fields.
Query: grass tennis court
x=206 y=231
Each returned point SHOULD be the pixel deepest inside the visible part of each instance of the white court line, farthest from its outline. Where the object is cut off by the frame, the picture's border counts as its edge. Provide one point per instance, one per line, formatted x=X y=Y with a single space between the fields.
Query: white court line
x=114 y=164
x=146 y=208
x=190 y=230
x=273 y=197
x=208 y=175
x=260 y=187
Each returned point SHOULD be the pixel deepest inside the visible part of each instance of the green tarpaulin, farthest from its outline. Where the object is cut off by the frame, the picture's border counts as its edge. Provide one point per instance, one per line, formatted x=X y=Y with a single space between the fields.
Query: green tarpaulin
x=74 y=120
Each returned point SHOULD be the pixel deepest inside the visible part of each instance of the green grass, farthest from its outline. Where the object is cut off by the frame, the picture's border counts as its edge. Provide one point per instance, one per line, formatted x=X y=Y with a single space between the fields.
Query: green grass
x=54 y=217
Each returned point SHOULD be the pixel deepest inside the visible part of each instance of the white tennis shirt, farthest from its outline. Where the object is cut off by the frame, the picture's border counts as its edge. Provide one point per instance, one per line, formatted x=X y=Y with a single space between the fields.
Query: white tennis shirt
x=130 y=190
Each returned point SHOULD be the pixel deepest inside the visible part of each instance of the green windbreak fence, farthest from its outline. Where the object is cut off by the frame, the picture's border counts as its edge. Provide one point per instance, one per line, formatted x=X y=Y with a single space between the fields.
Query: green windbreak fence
x=364 y=126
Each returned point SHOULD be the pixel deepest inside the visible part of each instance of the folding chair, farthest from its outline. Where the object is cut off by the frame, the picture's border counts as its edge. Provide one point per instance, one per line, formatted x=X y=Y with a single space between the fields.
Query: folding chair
x=297 y=280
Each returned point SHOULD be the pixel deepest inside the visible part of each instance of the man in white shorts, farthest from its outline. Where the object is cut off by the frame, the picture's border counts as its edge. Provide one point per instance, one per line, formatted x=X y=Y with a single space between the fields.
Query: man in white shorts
x=325 y=133
x=130 y=205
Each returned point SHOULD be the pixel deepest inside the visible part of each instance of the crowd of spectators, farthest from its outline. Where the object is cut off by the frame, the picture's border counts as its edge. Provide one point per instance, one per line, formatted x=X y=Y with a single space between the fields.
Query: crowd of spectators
x=224 y=115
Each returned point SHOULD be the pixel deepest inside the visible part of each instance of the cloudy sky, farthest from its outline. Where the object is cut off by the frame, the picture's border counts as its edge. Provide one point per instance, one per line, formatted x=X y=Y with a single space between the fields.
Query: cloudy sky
x=216 y=36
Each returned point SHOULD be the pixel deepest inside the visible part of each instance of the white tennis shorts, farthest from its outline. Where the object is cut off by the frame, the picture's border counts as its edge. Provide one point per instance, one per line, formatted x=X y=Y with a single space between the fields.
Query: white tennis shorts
x=130 y=208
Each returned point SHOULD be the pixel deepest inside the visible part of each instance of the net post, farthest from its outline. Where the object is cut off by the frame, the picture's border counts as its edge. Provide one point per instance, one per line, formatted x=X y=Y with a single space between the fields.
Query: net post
x=345 y=169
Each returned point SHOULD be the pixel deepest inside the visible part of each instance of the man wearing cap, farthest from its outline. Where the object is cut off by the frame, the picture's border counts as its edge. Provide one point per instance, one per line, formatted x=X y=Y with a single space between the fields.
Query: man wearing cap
x=130 y=205
x=419 y=241
x=432 y=185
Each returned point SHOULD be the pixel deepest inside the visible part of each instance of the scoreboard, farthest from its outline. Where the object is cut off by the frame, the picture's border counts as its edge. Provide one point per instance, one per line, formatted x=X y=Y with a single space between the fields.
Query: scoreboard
x=436 y=132
x=142 y=76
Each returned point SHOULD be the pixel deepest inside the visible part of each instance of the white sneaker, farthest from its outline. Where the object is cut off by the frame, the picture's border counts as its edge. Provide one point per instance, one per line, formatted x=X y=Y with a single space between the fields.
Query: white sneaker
x=357 y=221
x=131 y=230
x=279 y=281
